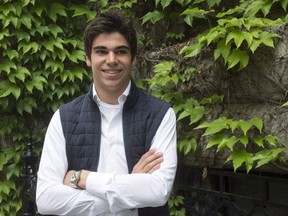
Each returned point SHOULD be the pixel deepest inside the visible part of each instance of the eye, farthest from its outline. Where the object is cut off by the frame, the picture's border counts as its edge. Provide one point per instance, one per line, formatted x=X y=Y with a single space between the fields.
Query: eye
x=100 y=52
x=121 y=52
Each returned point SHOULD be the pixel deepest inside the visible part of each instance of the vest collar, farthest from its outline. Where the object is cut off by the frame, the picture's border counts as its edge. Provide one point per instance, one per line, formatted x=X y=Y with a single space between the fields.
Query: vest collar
x=132 y=97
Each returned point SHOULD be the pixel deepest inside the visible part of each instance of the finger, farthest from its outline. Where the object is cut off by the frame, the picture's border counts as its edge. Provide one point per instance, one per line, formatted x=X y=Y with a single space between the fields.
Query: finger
x=156 y=167
x=147 y=159
x=152 y=163
x=147 y=155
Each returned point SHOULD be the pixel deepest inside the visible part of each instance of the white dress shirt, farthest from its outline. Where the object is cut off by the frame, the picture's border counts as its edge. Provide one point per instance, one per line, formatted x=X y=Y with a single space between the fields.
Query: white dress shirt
x=110 y=191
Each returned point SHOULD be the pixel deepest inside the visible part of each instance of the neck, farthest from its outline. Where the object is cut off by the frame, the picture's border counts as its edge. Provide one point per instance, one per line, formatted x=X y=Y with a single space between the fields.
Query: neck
x=109 y=97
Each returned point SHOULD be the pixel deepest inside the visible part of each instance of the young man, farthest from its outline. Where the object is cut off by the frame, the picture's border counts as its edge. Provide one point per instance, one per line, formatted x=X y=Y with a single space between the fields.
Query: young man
x=113 y=150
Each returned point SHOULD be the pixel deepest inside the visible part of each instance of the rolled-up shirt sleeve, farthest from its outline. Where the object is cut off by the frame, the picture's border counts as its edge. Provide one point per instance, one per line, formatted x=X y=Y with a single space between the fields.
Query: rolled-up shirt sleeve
x=52 y=196
x=141 y=190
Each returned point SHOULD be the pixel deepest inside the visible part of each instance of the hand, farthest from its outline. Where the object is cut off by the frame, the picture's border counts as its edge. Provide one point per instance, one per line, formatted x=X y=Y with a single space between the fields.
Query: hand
x=149 y=162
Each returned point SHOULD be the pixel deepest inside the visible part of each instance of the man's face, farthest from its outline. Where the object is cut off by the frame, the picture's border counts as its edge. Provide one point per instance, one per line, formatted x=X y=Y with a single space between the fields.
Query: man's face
x=111 y=63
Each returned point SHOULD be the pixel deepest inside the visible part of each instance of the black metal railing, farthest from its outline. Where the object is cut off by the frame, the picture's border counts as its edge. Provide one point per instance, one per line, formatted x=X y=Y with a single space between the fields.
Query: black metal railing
x=29 y=178
x=226 y=193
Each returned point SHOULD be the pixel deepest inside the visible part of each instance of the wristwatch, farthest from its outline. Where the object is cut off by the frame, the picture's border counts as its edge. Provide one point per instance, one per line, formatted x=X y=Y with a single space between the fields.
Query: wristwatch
x=75 y=179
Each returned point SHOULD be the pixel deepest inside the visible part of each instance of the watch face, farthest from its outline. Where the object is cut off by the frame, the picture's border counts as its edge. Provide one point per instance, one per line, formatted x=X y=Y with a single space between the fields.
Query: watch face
x=74 y=179
x=74 y=176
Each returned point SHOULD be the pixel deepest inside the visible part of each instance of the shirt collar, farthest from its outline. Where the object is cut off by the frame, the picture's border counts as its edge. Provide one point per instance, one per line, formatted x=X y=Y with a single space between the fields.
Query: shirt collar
x=121 y=99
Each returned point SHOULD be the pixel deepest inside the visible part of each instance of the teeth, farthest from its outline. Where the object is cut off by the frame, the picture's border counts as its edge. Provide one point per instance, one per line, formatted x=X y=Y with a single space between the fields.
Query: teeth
x=111 y=72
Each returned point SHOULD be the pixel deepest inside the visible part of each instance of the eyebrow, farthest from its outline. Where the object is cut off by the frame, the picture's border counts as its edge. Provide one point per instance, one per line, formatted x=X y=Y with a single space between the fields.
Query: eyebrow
x=105 y=48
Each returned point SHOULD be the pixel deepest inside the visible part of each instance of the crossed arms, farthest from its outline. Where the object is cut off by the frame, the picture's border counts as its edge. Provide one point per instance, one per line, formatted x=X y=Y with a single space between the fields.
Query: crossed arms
x=149 y=184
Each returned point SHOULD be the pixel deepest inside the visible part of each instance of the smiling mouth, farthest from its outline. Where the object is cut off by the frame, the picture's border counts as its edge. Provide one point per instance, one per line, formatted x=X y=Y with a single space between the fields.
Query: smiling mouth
x=112 y=71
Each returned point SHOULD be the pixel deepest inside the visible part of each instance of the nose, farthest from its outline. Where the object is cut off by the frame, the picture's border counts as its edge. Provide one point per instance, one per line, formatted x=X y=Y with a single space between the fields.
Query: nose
x=111 y=58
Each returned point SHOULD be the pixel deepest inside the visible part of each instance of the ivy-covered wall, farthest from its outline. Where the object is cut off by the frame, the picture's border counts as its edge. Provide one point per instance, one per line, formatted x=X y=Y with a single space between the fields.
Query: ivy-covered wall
x=41 y=67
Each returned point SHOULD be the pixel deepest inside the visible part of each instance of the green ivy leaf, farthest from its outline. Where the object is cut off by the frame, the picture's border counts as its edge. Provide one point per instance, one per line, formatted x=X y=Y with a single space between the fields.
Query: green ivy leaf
x=153 y=17
x=231 y=23
x=183 y=114
x=78 y=72
x=55 y=10
x=26 y=2
x=248 y=37
x=55 y=30
x=272 y=140
x=267 y=38
x=4 y=33
x=244 y=140
x=234 y=125
x=212 y=3
x=77 y=55
x=4 y=187
x=165 y=3
x=165 y=67
x=239 y=157
x=22 y=36
x=38 y=9
x=190 y=13
x=191 y=50
x=264 y=38
x=157 y=2
x=230 y=142
x=214 y=127
x=265 y=156
x=7 y=88
x=79 y=10
x=54 y=65
x=187 y=145
x=237 y=36
x=49 y=45
x=259 y=141
x=12 y=170
x=211 y=100
x=7 y=8
x=237 y=56
x=26 y=20
x=20 y=73
x=3 y=160
x=215 y=140
x=6 y=66
x=12 y=54
x=26 y=105
x=223 y=50
x=258 y=123
x=285 y=104
x=196 y=114
x=213 y=35
x=245 y=126
x=284 y=5
x=36 y=82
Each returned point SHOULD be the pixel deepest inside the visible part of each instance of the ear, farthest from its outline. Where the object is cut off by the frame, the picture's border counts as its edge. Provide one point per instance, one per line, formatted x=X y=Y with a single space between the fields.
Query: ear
x=88 y=61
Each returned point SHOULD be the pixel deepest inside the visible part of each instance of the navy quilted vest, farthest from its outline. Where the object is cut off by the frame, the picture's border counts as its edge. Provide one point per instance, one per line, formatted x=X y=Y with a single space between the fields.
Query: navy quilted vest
x=81 y=122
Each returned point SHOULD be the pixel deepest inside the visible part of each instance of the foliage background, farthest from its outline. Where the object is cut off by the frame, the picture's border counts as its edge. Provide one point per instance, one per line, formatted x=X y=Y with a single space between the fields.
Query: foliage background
x=42 y=66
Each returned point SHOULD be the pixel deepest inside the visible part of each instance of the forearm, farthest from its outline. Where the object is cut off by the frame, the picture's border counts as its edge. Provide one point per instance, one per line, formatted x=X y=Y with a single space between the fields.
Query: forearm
x=58 y=199
x=129 y=191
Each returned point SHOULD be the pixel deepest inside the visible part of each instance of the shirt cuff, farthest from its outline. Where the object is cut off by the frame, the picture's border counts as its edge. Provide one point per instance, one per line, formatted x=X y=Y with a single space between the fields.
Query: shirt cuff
x=98 y=183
